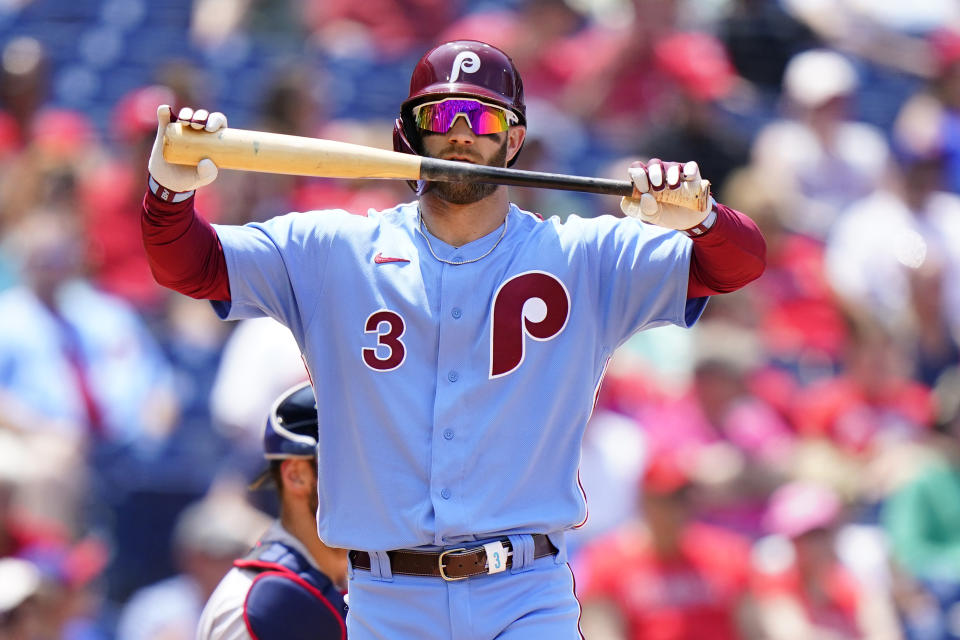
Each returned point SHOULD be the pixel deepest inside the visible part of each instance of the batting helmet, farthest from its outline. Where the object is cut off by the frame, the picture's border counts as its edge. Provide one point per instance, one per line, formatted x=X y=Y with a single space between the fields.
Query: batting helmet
x=467 y=68
x=291 y=429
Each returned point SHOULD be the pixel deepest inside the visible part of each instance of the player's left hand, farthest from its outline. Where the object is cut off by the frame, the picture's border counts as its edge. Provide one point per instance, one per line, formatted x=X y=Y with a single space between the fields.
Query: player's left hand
x=655 y=176
x=181 y=178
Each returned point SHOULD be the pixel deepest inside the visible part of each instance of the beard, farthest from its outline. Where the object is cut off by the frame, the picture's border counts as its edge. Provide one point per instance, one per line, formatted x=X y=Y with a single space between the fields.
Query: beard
x=470 y=192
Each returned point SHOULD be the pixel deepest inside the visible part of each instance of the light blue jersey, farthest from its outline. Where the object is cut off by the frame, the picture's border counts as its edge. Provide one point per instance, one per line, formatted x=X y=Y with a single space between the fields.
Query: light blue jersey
x=453 y=398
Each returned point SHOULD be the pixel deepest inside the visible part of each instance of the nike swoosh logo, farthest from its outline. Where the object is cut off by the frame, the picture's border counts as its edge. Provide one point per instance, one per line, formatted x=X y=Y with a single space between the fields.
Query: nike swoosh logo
x=380 y=259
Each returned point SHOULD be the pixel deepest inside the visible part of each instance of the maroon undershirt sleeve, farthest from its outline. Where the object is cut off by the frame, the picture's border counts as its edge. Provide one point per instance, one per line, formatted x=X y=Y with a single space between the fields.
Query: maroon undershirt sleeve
x=729 y=256
x=183 y=249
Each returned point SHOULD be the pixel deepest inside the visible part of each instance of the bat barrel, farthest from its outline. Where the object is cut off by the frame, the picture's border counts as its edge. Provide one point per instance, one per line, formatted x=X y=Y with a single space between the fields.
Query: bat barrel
x=278 y=153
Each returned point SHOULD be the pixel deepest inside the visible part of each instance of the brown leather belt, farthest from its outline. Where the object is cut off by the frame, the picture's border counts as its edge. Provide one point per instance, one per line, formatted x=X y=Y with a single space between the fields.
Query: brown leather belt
x=452 y=564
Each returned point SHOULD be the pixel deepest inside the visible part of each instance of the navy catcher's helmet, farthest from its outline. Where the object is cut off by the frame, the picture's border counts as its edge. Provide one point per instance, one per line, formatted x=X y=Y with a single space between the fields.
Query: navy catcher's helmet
x=291 y=429
x=466 y=68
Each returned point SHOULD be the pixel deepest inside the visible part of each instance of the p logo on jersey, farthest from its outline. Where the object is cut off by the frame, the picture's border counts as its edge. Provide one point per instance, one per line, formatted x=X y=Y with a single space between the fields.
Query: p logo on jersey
x=466 y=61
x=534 y=304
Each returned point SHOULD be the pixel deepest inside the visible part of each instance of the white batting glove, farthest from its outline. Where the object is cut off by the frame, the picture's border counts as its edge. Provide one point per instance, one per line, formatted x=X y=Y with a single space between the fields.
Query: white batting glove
x=182 y=178
x=655 y=176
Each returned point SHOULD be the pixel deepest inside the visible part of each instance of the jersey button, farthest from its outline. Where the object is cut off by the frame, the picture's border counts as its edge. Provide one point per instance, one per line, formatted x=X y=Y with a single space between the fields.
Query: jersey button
x=445 y=494
x=448 y=434
x=456 y=313
x=457 y=258
x=453 y=376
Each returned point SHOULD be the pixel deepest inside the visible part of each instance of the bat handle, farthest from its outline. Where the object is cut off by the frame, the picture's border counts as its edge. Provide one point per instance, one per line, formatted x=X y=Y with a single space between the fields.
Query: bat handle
x=452 y=171
x=698 y=200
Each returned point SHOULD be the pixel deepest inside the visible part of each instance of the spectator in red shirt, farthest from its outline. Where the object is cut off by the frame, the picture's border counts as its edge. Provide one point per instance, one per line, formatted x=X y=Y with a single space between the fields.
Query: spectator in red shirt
x=802 y=590
x=873 y=404
x=668 y=578
x=392 y=27
x=611 y=77
x=795 y=311
x=24 y=85
x=107 y=193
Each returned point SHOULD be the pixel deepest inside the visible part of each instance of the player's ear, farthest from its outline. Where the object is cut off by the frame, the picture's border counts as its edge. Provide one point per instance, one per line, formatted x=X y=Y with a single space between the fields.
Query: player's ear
x=515 y=137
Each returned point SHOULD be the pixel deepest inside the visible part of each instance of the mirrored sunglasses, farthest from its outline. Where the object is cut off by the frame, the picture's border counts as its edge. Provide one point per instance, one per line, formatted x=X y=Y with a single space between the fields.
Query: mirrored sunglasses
x=481 y=117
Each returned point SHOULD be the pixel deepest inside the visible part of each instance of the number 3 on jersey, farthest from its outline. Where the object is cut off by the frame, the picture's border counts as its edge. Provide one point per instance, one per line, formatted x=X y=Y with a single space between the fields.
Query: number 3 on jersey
x=389 y=327
x=534 y=304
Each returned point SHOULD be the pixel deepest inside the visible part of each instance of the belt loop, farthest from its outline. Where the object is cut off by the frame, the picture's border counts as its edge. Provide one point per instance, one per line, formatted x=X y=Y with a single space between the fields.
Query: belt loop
x=559 y=540
x=380 y=566
x=522 y=546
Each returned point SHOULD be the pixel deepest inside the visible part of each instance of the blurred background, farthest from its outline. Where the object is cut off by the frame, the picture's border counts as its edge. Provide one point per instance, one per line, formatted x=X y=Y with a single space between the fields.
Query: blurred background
x=790 y=468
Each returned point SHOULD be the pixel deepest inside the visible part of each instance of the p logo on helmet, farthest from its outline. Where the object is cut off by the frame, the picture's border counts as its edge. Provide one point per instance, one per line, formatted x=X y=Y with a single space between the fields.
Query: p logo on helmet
x=468 y=61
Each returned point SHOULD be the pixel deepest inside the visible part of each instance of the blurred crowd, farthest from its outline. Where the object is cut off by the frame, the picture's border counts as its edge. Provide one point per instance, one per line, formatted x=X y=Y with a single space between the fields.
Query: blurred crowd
x=789 y=468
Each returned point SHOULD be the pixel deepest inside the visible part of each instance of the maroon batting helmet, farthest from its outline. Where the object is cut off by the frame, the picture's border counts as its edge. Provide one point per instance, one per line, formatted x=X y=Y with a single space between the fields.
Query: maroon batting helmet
x=461 y=68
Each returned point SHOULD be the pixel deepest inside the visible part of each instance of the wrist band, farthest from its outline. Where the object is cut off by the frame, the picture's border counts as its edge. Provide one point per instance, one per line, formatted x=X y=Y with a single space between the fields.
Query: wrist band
x=165 y=194
x=707 y=224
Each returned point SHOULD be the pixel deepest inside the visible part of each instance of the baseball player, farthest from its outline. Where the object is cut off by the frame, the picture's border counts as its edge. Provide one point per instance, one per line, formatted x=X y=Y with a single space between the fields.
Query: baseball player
x=462 y=340
x=288 y=586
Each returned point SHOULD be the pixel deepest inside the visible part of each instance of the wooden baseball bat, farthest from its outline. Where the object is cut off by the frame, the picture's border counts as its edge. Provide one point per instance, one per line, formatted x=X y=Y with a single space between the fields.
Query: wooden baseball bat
x=296 y=155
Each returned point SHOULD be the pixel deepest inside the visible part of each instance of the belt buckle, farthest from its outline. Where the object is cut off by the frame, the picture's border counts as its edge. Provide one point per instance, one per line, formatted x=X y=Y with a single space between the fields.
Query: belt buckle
x=443 y=573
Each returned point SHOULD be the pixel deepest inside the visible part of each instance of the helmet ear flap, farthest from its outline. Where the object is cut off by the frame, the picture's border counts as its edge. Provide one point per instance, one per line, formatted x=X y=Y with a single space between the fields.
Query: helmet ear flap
x=402 y=144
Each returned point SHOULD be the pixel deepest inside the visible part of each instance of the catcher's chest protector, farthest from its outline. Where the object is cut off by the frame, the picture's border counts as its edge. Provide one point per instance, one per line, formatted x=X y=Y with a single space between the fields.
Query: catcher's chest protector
x=289 y=598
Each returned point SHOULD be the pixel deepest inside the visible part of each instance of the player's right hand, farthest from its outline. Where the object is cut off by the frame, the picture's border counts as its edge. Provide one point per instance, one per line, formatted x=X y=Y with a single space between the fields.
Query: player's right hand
x=657 y=176
x=176 y=177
